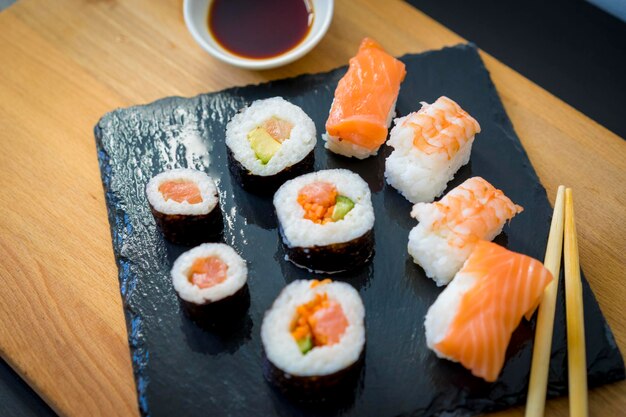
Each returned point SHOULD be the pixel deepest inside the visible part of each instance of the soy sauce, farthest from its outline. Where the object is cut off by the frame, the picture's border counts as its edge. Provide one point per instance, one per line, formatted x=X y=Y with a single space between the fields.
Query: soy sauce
x=259 y=28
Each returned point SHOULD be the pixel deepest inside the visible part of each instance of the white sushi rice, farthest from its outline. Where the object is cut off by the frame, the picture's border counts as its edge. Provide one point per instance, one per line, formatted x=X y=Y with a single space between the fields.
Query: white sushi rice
x=300 y=143
x=349 y=149
x=280 y=346
x=443 y=311
x=236 y=275
x=435 y=255
x=301 y=232
x=432 y=250
x=420 y=177
x=207 y=187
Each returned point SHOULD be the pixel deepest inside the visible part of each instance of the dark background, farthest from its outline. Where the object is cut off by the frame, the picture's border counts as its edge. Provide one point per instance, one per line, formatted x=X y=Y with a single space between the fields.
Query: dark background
x=569 y=47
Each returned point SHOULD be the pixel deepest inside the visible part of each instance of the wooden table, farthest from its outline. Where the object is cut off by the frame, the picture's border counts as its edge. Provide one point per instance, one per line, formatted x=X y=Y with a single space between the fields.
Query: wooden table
x=65 y=63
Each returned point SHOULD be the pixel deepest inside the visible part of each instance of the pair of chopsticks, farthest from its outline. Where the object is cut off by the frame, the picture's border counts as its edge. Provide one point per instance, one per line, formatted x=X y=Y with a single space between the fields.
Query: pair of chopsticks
x=562 y=218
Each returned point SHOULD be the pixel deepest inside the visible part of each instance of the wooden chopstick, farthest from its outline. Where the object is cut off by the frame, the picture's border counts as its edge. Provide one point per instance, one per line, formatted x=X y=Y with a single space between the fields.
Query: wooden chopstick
x=577 y=364
x=537 y=387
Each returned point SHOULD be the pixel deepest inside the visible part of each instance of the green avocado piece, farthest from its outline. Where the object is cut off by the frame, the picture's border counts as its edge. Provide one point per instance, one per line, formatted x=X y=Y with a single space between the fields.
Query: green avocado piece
x=263 y=145
x=305 y=344
x=343 y=205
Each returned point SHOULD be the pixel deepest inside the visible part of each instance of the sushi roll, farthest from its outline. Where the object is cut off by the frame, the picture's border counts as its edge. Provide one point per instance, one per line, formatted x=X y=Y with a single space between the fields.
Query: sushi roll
x=326 y=220
x=313 y=337
x=365 y=102
x=449 y=229
x=268 y=143
x=472 y=320
x=210 y=281
x=185 y=206
x=429 y=147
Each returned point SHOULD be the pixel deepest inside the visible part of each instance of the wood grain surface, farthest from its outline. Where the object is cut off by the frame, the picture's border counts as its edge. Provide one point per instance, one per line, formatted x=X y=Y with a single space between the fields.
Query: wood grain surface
x=65 y=63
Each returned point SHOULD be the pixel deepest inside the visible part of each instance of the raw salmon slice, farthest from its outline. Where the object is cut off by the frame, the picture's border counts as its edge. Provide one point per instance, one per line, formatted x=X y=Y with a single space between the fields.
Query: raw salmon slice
x=208 y=272
x=180 y=191
x=329 y=324
x=278 y=129
x=321 y=320
x=472 y=320
x=365 y=97
x=318 y=201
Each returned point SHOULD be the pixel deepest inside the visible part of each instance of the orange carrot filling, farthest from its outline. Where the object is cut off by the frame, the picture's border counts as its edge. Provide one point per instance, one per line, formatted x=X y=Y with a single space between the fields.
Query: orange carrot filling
x=208 y=272
x=181 y=190
x=318 y=201
x=278 y=129
x=320 y=322
x=316 y=282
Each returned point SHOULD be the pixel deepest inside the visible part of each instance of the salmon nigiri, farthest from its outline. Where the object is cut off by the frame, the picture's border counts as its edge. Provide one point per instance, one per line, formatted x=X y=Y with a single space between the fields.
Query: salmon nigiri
x=430 y=145
x=449 y=229
x=365 y=101
x=472 y=320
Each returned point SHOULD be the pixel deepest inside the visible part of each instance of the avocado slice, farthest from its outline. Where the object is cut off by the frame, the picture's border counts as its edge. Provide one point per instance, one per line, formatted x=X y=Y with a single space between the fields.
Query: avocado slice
x=263 y=145
x=305 y=344
x=343 y=205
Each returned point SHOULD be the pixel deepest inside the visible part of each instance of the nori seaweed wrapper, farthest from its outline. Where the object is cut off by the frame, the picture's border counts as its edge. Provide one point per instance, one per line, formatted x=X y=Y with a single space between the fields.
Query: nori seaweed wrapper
x=226 y=313
x=336 y=257
x=184 y=229
x=317 y=388
x=266 y=185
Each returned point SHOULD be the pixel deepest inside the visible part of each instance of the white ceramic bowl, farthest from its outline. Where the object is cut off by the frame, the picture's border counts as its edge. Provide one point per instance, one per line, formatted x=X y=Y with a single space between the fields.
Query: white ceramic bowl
x=196 y=12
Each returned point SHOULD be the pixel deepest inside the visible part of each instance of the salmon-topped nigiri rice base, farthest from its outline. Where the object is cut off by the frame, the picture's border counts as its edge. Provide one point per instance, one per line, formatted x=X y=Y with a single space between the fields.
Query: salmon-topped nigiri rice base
x=314 y=328
x=430 y=145
x=449 y=229
x=472 y=320
x=365 y=101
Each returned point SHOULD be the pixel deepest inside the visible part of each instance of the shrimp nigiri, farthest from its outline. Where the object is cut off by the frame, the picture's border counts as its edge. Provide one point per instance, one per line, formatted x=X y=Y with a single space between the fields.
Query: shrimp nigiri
x=472 y=320
x=449 y=229
x=430 y=146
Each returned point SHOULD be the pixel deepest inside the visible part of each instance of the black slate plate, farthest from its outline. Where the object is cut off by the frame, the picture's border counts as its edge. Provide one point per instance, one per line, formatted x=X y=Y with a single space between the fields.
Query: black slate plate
x=181 y=369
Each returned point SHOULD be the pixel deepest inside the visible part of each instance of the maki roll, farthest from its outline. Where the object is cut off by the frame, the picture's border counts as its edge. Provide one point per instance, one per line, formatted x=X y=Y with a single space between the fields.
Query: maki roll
x=449 y=229
x=185 y=206
x=472 y=320
x=210 y=281
x=326 y=220
x=313 y=337
x=429 y=147
x=268 y=143
x=364 y=103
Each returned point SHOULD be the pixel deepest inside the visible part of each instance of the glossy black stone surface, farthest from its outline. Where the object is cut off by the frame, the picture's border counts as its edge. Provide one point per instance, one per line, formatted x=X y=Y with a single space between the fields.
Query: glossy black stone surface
x=182 y=369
